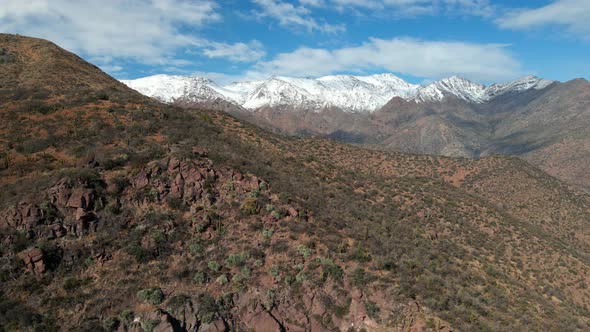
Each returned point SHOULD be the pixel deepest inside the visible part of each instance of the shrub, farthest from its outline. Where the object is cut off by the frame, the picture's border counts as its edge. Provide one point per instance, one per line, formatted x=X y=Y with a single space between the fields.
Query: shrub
x=249 y=206
x=275 y=270
x=149 y=325
x=153 y=296
x=304 y=251
x=102 y=96
x=372 y=309
x=178 y=301
x=111 y=323
x=222 y=279
x=196 y=249
x=214 y=266
x=301 y=276
x=138 y=252
x=70 y=284
x=236 y=259
x=200 y=278
x=267 y=233
x=276 y=214
x=360 y=278
x=330 y=269
x=360 y=255
x=126 y=316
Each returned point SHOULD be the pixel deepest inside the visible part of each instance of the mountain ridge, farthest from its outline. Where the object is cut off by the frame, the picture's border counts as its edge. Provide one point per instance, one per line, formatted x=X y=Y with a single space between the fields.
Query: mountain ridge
x=357 y=94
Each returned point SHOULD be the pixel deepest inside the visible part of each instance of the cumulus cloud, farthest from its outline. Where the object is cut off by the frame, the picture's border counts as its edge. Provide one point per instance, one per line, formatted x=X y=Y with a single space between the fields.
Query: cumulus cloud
x=572 y=14
x=409 y=7
x=293 y=16
x=114 y=31
x=147 y=31
x=239 y=52
x=415 y=57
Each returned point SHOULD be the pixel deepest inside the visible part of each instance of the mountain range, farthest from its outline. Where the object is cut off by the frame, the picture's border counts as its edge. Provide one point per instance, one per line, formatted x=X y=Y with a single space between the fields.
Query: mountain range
x=545 y=122
x=358 y=94
x=122 y=213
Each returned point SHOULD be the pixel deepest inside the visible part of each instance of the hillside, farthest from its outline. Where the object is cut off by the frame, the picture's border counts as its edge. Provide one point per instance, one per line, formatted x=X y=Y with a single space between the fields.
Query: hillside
x=118 y=212
x=542 y=121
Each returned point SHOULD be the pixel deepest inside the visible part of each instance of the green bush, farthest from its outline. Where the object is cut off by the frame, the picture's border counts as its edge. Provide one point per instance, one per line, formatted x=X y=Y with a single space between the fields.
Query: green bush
x=222 y=280
x=304 y=251
x=196 y=249
x=267 y=233
x=153 y=296
x=126 y=316
x=330 y=269
x=200 y=278
x=245 y=272
x=214 y=266
x=111 y=324
x=236 y=259
x=140 y=254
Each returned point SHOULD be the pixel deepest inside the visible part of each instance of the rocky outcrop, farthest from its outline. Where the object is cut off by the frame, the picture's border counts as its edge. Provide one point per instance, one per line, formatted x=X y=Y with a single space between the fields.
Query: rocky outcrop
x=34 y=261
x=23 y=216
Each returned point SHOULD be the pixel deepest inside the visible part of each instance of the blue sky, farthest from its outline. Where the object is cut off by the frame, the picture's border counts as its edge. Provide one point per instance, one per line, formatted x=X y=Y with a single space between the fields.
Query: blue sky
x=227 y=40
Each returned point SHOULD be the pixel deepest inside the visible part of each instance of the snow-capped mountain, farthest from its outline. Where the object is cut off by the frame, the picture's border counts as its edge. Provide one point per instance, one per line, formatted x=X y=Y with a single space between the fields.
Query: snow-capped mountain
x=454 y=86
x=522 y=84
x=169 y=88
x=349 y=93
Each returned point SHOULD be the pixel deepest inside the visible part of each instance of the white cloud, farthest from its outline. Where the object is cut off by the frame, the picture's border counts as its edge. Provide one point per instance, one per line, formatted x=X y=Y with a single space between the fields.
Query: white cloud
x=431 y=59
x=414 y=7
x=146 y=31
x=239 y=52
x=572 y=14
x=293 y=16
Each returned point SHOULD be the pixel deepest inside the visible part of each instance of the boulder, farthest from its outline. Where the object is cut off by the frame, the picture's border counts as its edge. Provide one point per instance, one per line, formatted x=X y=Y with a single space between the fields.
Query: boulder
x=81 y=198
x=173 y=165
x=141 y=180
x=177 y=187
x=263 y=321
x=60 y=193
x=34 y=261
x=292 y=212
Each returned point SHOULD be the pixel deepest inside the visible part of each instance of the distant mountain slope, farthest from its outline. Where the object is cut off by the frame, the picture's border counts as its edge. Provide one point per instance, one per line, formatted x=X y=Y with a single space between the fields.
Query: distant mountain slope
x=118 y=212
x=541 y=120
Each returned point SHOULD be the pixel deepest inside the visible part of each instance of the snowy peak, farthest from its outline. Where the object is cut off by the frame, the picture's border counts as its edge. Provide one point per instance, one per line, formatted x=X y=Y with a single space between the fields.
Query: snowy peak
x=349 y=93
x=451 y=86
x=519 y=85
x=277 y=92
x=170 y=88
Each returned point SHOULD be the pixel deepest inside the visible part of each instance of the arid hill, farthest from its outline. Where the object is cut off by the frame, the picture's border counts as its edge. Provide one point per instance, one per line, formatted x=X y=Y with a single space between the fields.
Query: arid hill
x=119 y=213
